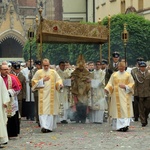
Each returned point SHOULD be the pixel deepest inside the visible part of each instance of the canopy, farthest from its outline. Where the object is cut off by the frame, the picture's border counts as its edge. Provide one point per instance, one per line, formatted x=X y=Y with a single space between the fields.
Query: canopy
x=51 y=31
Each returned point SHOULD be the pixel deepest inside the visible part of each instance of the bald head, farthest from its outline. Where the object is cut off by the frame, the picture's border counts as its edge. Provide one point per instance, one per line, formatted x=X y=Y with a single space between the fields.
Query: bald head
x=4 y=70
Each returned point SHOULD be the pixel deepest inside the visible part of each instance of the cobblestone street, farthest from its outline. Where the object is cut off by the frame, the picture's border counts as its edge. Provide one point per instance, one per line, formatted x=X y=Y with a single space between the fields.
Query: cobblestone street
x=74 y=136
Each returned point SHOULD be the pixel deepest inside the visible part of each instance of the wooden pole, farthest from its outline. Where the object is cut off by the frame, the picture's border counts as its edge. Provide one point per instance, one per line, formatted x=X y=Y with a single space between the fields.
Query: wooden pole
x=41 y=26
x=109 y=39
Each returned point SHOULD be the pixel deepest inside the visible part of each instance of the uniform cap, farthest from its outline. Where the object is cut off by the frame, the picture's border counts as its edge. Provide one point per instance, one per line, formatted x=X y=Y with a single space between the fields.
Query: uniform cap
x=104 y=61
x=115 y=54
x=142 y=64
x=16 y=66
x=38 y=62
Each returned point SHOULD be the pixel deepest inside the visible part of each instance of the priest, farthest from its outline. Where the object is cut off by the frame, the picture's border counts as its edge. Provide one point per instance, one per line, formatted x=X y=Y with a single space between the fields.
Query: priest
x=47 y=81
x=120 y=87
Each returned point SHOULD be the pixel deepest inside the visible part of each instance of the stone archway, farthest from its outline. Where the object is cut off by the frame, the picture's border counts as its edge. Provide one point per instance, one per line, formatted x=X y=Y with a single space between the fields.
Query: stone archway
x=10 y=48
x=11 y=45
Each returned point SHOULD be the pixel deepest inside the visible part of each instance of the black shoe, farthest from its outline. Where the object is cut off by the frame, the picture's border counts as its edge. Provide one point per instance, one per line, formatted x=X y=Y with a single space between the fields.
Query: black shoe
x=144 y=124
x=121 y=129
x=83 y=121
x=4 y=143
x=1 y=146
x=64 y=122
x=135 y=119
x=43 y=130
x=125 y=129
x=49 y=130
x=27 y=118
x=32 y=119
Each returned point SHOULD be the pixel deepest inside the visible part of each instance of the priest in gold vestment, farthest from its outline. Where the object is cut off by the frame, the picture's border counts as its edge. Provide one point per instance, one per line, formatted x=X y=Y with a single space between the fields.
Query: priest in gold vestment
x=47 y=81
x=81 y=85
x=120 y=87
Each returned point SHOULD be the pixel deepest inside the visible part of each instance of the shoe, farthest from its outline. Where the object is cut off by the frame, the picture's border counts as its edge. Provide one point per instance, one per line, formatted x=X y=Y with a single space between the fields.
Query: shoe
x=144 y=124
x=125 y=129
x=49 y=130
x=83 y=121
x=32 y=119
x=1 y=146
x=43 y=130
x=64 y=122
x=121 y=129
x=135 y=119
x=4 y=143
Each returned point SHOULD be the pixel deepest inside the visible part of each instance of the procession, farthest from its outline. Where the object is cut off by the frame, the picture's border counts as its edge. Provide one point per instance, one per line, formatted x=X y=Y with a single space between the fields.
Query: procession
x=74 y=76
x=65 y=94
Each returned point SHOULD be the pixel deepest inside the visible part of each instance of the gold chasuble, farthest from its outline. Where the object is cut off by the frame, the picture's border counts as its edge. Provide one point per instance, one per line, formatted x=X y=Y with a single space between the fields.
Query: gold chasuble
x=121 y=99
x=48 y=97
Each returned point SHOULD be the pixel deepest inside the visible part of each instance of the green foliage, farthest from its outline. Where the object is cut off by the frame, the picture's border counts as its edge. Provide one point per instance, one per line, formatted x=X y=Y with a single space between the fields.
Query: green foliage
x=59 y=52
x=139 y=38
x=138 y=44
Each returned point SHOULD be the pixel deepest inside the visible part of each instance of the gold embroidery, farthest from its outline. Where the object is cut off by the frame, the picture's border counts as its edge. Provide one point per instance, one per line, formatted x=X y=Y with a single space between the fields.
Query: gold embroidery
x=52 y=93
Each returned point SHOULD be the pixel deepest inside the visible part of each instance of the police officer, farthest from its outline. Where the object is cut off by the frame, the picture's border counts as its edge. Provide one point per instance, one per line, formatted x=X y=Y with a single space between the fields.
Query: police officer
x=136 y=98
x=115 y=61
x=143 y=91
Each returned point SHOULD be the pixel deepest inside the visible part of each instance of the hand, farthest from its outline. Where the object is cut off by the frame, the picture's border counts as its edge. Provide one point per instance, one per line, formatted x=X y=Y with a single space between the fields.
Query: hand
x=61 y=86
x=46 y=78
x=72 y=78
x=106 y=91
x=122 y=86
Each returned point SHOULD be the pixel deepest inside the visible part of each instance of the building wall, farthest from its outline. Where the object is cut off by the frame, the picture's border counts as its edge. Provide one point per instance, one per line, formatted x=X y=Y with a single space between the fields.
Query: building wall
x=74 y=10
x=106 y=7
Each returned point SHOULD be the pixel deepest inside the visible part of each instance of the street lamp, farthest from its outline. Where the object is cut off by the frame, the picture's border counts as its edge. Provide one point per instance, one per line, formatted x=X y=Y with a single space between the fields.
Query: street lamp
x=125 y=39
x=30 y=37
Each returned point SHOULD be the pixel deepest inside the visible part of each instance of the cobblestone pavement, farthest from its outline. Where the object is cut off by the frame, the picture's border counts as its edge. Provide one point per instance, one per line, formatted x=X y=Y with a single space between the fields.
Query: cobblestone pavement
x=74 y=136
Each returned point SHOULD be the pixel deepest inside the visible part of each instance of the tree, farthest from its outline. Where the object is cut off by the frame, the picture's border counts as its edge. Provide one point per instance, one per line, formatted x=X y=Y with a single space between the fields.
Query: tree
x=139 y=36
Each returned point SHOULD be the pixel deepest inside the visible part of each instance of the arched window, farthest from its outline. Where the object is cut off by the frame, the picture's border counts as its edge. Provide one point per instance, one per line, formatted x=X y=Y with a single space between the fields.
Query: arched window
x=123 y=6
x=41 y=4
x=140 y=4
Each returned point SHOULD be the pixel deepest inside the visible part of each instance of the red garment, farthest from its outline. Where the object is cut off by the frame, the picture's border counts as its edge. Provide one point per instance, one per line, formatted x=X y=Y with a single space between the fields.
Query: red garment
x=18 y=81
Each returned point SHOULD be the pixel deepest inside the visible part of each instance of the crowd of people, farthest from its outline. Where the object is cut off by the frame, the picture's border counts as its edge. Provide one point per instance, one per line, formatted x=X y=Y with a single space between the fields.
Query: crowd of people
x=83 y=92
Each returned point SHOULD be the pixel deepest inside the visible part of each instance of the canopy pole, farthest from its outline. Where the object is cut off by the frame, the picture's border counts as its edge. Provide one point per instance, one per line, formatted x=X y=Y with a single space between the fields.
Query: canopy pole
x=41 y=38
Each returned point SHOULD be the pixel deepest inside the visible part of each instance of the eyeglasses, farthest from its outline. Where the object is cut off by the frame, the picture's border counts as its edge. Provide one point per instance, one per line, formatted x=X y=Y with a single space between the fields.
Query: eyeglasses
x=4 y=69
x=46 y=65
